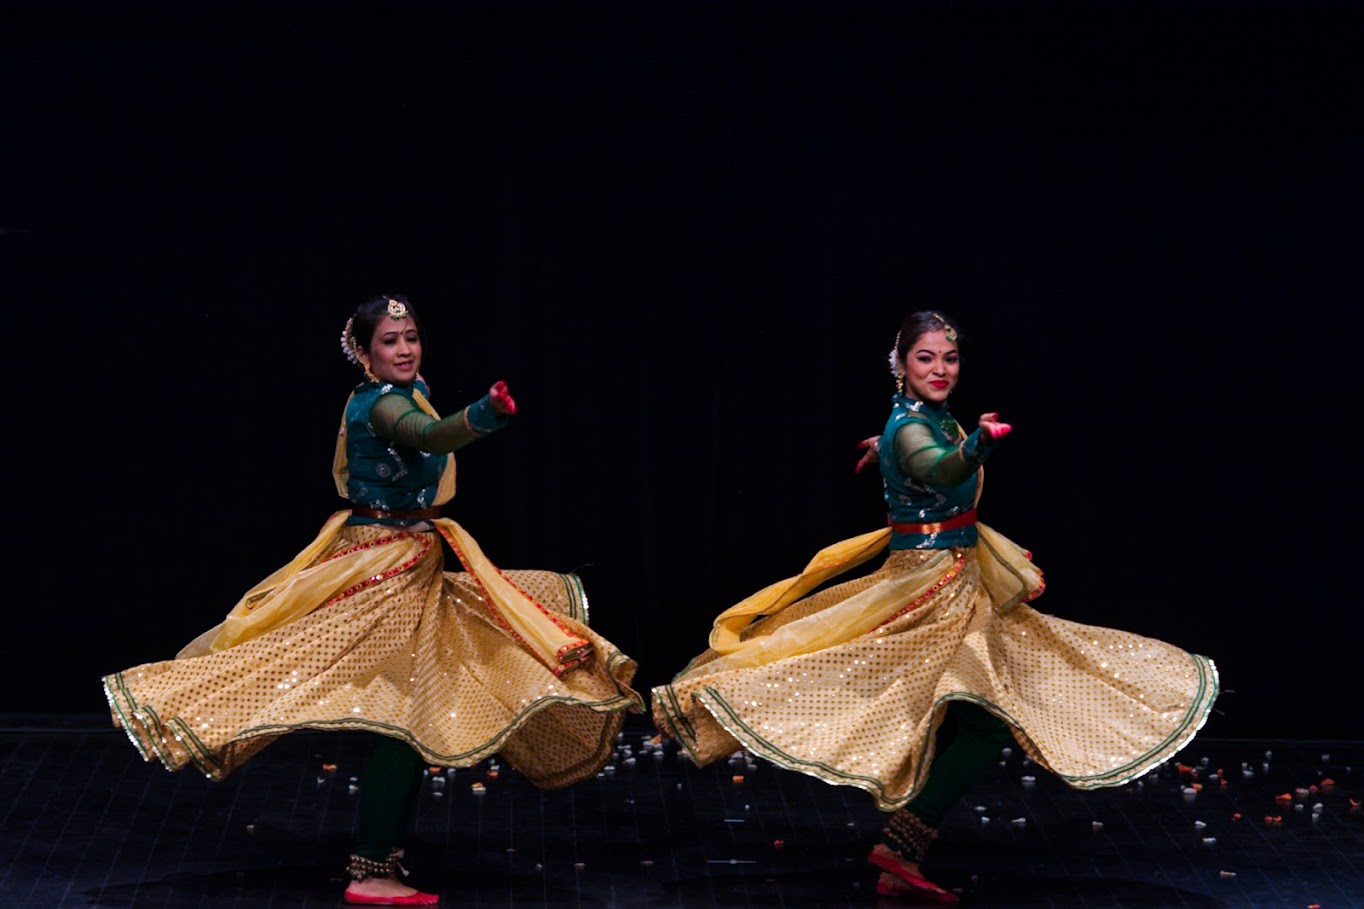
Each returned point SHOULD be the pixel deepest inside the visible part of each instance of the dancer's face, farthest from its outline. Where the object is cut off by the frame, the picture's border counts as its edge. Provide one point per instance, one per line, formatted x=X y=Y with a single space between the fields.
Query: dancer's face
x=395 y=352
x=931 y=367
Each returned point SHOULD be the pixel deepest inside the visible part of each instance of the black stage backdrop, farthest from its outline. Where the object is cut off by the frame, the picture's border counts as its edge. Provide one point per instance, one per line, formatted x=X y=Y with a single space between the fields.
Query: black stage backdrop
x=684 y=232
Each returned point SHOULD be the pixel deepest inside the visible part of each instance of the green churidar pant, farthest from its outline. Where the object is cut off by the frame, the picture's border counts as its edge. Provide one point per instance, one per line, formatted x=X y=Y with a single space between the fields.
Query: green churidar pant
x=969 y=741
x=389 y=785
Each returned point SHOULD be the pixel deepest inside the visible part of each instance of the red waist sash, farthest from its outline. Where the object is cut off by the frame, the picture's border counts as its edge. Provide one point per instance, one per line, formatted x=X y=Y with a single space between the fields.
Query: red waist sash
x=961 y=520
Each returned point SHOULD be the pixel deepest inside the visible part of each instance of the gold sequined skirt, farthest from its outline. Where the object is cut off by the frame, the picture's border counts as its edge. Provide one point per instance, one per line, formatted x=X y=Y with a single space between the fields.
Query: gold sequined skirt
x=1095 y=706
x=417 y=657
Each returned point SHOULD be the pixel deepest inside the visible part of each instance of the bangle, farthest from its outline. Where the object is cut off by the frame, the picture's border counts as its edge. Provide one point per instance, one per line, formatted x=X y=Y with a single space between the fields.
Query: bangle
x=469 y=424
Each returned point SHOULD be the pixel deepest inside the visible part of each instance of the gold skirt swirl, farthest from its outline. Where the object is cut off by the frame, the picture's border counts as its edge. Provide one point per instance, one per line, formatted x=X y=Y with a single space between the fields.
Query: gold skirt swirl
x=1094 y=706
x=413 y=654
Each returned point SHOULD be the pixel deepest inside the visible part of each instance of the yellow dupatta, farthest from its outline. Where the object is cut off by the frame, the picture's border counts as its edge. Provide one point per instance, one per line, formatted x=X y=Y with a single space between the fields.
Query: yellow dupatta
x=1005 y=571
x=304 y=584
x=829 y=562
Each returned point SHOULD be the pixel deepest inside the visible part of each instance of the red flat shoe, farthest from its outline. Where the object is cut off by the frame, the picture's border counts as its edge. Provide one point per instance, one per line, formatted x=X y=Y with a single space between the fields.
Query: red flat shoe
x=917 y=887
x=888 y=884
x=412 y=899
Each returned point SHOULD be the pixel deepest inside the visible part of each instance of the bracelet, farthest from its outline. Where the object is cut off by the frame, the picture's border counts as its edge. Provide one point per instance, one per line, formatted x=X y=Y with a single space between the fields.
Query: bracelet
x=469 y=425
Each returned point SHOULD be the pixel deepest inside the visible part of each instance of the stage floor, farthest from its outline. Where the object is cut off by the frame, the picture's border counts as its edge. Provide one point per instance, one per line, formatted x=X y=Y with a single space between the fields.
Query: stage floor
x=87 y=823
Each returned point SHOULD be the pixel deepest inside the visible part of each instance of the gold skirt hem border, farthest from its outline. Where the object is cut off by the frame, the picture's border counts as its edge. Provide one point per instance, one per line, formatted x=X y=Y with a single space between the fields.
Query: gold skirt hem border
x=134 y=718
x=729 y=719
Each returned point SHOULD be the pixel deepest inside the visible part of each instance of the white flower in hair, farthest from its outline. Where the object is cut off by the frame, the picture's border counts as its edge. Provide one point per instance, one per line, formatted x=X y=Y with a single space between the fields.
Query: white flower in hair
x=348 y=343
x=897 y=369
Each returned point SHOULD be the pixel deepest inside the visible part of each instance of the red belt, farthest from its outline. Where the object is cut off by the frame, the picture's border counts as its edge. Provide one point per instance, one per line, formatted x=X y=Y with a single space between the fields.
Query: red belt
x=421 y=514
x=961 y=520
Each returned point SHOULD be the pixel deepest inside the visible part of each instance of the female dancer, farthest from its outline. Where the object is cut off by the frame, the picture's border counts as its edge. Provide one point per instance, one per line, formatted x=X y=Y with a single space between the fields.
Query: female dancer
x=365 y=630
x=907 y=682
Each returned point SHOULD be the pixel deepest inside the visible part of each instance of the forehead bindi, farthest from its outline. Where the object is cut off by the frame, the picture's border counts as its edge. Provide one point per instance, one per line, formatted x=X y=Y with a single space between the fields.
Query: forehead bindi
x=392 y=330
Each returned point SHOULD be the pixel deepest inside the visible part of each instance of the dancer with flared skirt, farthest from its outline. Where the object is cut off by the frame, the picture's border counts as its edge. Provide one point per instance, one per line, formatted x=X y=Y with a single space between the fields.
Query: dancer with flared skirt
x=907 y=682
x=365 y=630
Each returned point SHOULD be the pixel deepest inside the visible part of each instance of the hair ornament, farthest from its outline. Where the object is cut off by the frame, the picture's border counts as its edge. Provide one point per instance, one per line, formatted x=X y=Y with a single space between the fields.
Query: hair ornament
x=897 y=369
x=348 y=344
x=397 y=309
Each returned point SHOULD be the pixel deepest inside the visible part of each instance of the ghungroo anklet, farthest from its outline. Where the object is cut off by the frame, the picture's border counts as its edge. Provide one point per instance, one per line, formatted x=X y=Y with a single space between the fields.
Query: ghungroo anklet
x=907 y=836
x=359 y=868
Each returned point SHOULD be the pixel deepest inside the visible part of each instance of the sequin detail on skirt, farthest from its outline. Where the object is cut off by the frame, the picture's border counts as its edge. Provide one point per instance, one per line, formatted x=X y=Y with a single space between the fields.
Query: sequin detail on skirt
x=1095 y=706
x=414 y=656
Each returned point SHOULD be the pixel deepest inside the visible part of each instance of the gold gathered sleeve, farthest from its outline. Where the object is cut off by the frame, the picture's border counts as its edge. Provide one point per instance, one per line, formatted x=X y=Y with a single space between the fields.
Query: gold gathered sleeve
x=396 y=418
x=920 y=456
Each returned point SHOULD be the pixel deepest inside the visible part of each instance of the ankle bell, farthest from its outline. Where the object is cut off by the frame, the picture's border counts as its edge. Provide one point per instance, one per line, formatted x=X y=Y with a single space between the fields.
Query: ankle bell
x=359 y=868
x=909 y=837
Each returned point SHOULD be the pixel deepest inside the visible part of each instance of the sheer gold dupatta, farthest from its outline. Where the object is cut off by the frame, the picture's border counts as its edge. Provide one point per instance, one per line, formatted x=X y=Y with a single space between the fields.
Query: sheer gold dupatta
x=544 y=635
x=291 y=592
x=305 y=584
x=829 y=562
x=1005 y=570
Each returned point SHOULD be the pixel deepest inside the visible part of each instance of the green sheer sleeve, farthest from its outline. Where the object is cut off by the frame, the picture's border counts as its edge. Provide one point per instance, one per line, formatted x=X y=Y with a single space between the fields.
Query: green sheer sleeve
x=925 y=459
x=397 y=419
